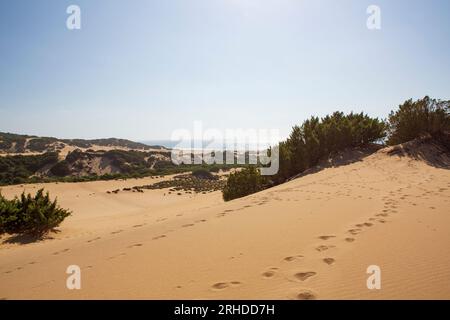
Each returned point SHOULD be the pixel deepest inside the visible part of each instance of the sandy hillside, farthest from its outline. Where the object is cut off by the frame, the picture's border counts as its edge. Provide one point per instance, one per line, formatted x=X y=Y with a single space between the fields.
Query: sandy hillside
x=314 y=236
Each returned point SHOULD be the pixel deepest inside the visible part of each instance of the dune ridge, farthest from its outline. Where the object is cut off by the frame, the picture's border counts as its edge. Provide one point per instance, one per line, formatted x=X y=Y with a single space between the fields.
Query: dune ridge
x=310 y=238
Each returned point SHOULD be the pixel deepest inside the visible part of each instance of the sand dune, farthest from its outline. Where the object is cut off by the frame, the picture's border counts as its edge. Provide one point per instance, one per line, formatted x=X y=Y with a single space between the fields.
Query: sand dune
x=313 y=237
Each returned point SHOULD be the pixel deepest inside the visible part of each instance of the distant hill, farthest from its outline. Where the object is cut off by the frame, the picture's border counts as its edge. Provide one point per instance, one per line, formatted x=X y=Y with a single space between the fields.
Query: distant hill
x=26 y=158
x=30 y=159
x=11 y=143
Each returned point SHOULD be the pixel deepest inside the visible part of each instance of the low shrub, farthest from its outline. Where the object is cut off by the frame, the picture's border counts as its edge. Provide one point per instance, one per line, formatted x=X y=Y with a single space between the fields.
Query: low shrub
x=244 y=182
x=27 y=214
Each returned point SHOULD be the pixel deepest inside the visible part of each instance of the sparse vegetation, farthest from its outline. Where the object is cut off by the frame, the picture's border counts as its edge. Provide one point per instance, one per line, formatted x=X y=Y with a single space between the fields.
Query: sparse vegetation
x=27 y=214
x=187 y=183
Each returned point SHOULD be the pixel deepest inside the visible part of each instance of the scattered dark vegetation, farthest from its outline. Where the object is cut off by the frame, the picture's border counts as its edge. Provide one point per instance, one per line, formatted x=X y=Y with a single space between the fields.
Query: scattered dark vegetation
x=9 y=141
x=16 y=143
x=76 y=166
x=41 y=144
x=32 y=215
x=188 y=183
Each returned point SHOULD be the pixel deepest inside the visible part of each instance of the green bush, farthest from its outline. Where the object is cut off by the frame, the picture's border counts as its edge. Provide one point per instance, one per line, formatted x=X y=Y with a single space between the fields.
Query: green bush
x=242 y=183
x=30 y=215
x=416 y=118
x=318 y=138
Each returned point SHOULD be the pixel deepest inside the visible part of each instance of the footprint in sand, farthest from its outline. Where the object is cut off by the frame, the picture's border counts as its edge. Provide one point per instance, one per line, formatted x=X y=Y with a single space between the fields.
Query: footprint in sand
x=349 y=239
x=220 y=285
x=136 y=245
x=159 y=237
x=326 y=237
x=92 y=240
x=329 y=261
x=292 y=258
x=324 y=248
x=62 y=251
x=224 y=285
x=269 y=273
x=138 y=225
x=117 y=256
x=306 y=295
x=368 y=224
x=302 y=276
x=116 y=232
x=354 y=231
x=187 y=225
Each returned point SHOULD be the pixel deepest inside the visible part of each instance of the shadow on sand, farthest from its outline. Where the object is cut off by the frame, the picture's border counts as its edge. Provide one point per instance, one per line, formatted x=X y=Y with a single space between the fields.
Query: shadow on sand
x=342 y=158
x=27 y=238
x=434 y=151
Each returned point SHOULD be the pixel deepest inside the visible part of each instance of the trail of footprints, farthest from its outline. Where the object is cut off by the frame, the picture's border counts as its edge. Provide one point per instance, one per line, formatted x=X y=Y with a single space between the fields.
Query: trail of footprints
x=390 y=207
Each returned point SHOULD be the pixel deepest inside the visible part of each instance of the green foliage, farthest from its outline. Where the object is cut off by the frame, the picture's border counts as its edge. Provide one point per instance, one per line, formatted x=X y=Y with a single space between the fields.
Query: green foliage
x=416 y=118
x=244 y=182
x=318 y=138
x=18 y=169
x=30 y=215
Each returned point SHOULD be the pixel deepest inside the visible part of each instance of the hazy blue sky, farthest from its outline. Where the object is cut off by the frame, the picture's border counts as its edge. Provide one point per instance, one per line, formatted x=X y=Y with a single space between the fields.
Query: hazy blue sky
x=140 y=69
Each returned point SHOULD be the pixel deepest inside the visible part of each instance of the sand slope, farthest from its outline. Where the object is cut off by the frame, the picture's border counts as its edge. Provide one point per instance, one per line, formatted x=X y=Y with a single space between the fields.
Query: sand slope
x=314 y=237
